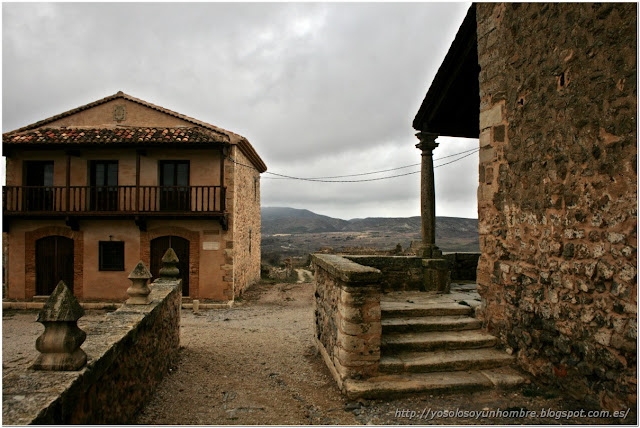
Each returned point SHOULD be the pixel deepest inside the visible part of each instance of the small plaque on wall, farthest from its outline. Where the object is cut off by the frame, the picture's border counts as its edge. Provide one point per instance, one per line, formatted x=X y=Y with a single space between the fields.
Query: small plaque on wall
x=208 y=245
x=119 y=113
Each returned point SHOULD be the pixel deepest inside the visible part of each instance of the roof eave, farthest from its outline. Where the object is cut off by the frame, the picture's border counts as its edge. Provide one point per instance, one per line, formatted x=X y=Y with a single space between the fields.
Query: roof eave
x=459 y=69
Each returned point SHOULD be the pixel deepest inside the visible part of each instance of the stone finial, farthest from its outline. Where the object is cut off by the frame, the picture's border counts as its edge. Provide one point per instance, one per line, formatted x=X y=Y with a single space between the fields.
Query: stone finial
x=139 y=290
x=169 y=269
x=59 y=345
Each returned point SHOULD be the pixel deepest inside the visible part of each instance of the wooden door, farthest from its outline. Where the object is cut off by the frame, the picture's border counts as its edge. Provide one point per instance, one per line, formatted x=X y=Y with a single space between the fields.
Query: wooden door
x=54 y=263
x=160 y=245
x=39 y=193
x=104 y=186
x=175 y=193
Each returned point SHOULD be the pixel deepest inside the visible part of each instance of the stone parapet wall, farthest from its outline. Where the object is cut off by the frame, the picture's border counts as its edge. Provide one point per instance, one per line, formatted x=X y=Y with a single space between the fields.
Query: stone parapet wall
x=129 y=352
x=402 y=273
x=347 y=316
x=557 y=199
x=463 y=265
x=397 y=273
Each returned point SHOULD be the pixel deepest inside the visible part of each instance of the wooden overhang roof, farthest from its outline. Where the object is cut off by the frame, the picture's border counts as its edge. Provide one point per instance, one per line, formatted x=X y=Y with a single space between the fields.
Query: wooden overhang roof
x=201 y=132
x=452 y=104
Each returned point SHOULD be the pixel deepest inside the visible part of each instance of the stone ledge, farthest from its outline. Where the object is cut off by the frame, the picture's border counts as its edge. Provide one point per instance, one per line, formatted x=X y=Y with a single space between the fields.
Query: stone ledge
x=345 y=269
x=22 y=305
x=221 y=305
x=50 y=397
x=392 y=385
x=107 y=305
x=389 y=262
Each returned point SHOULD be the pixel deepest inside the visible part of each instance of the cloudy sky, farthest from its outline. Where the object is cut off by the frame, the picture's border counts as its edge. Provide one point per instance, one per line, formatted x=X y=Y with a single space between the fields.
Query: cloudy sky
x=319 y=89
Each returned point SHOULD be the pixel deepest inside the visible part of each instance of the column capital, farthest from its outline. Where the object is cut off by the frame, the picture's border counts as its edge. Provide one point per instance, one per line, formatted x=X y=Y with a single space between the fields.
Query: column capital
x=427 y=141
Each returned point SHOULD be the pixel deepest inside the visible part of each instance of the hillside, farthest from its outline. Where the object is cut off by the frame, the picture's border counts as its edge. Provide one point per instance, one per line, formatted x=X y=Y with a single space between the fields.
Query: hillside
x=294 y=232
x=291 y=220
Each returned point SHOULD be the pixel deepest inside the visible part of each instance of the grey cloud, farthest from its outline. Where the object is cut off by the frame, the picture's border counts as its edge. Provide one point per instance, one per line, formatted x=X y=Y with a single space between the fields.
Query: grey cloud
x=318 y=88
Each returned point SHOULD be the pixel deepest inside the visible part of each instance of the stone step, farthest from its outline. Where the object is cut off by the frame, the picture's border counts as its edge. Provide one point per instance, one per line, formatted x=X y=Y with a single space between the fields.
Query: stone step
x=395 y=309
x=432 y=323
x=441 y=382
x=445 y=360
x=434 y=340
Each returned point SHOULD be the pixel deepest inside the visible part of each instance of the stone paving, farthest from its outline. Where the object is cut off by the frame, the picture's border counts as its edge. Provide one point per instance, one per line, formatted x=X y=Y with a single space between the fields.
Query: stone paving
x=464 y=293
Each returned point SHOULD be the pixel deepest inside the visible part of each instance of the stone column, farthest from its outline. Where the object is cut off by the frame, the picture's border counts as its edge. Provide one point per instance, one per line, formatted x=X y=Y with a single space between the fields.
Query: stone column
x=428 y=196
x=437 y=275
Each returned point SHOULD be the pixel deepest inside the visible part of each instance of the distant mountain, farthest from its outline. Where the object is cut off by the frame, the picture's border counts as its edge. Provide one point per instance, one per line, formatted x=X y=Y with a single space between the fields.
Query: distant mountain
x=292 y=220
x=452 y=233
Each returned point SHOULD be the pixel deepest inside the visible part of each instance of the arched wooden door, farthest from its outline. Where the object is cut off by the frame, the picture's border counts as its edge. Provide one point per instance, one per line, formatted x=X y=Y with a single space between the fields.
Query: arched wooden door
x=54 y=262
x=181 y=246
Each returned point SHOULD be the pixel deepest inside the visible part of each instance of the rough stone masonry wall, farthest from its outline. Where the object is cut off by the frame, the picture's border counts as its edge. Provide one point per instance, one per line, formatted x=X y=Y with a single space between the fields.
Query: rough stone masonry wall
x=397 y=273
x=128 y=352
x=463 y=266
x=347 y=317
x=557 y=195
x=246 y=223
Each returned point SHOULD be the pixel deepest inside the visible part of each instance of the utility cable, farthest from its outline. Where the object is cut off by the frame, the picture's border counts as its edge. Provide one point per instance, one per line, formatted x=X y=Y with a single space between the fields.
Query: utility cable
x=382 y=170
x=323 y=180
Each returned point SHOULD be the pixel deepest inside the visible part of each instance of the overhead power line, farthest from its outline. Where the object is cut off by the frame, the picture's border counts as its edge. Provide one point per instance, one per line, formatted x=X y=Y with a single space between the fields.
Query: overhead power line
x=324 y=179
x=377 y=172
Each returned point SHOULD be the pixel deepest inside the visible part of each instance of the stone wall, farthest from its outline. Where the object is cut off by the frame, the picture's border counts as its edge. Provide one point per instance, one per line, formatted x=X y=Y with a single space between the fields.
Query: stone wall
x=245 y=222
x=129 y=353
x=397 y=273
x=557 y=194
x=347 y=316
x=463 y=266
x=402 y=273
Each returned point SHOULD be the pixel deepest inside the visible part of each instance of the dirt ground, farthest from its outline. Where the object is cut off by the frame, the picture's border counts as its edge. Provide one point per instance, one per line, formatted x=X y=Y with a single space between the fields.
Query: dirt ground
x=256 y=363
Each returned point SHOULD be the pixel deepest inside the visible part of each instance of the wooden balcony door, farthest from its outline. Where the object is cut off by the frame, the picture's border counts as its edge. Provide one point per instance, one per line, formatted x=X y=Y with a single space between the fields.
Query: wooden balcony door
x=54 y=263
x=175 y=194
x=39 y=193
x=160 y=245
x=104 y=186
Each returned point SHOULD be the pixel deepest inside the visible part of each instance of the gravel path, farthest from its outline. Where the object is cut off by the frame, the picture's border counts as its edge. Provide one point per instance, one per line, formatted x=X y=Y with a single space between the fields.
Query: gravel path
x=304 y=275
x=251 y=364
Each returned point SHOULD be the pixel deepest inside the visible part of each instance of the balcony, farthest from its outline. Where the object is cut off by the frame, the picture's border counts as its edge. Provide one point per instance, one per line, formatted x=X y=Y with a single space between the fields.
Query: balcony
x=106 y=201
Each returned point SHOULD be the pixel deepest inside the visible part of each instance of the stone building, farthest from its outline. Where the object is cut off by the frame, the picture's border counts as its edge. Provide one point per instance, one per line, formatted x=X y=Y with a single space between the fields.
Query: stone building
x=555 y=86
x=93 y=190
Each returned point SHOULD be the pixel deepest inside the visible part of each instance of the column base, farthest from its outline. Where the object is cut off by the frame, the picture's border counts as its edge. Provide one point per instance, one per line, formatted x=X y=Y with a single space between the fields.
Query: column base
x=429 y=252
x=437 y=276
x=62 y=361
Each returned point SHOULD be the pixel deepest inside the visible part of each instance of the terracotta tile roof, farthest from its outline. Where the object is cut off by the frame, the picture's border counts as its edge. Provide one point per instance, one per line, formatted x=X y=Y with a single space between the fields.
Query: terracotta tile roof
x=122 y=95
x=124 y=135
x=233 y=138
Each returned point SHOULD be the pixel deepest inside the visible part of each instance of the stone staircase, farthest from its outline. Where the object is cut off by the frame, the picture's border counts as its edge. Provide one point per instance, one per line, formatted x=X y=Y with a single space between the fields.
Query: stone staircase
x=433 y=344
